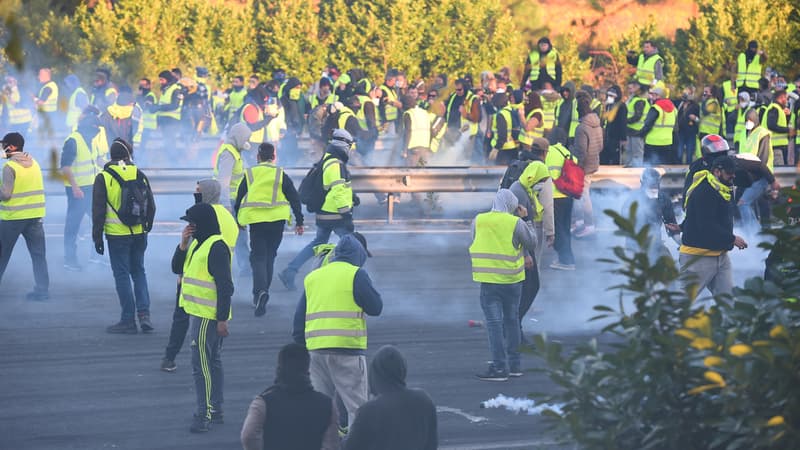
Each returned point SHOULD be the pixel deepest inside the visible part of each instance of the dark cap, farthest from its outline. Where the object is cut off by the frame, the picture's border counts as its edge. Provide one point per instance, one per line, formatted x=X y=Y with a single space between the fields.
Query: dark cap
x=360 y=237
x=752 y=45
x=199 y=213
x=266 y=151
x=14 y=139
x=724 y=163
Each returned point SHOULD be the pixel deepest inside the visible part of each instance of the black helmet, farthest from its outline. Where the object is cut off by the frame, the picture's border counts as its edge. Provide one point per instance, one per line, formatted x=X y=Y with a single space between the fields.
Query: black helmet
x=650 y=179
x=714 y=145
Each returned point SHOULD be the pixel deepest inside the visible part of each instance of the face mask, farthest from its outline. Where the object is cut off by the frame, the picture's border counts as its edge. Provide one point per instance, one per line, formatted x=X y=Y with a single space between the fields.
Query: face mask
x=198 y=198
x=610 y=100
x=246 y=146
x=749 y=125
x=651 y=193
x=547 y=91
x=376 y=102
x=744 y=104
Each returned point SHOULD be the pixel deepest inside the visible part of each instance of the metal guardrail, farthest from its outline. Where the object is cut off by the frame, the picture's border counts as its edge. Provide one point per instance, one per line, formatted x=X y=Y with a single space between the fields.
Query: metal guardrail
x=393 y=180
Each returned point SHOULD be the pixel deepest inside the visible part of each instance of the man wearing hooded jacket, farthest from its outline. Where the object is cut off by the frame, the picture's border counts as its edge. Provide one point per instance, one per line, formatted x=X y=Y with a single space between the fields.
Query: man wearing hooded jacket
x=206 y=289
x=330 y=321
x=397 y=418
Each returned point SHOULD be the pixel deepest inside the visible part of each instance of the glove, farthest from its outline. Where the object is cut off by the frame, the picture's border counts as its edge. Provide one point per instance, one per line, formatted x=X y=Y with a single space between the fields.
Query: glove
x=98 y=247
x=356 y=200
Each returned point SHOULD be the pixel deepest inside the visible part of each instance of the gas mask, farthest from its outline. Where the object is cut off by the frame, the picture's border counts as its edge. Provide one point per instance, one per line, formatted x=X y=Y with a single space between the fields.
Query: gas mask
x=198 y=197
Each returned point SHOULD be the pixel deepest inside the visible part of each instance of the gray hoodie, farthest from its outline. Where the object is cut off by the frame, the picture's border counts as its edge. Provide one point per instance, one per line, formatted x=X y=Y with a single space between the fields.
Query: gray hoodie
x=239 y=137
x=209 y=190
x=21 y=158
x=588 y=143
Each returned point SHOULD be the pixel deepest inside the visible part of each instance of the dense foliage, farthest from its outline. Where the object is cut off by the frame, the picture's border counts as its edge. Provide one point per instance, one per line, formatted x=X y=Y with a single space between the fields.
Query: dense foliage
x=717 y=374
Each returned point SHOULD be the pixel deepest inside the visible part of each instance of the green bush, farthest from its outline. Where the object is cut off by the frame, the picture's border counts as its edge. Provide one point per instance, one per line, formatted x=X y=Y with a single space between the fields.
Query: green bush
x=677 y=376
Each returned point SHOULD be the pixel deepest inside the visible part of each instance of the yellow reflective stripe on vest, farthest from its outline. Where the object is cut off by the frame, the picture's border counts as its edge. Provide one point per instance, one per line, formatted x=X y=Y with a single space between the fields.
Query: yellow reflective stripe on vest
x=495 y=259
x=166 y=98
x=549 y=63
x=264 y=201
x=335 y=315
x=27 y=196
x=335 y=333
x=632 y=106
x=747 y=75
x=390 y=111
x=84 y=167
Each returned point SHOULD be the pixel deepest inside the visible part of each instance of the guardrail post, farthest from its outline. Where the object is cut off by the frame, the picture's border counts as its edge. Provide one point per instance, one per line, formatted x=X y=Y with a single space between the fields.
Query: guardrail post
x=390 y=207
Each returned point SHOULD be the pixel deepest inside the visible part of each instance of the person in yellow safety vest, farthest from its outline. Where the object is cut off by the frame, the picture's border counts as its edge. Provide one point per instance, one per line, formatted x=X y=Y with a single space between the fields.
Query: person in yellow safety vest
x=532 y=120
x=557 y=154
x=79 y=167
x=324 y=253
x=462 y=113
x=168 y=109
x=336 y=213
x=203 y=261
x=208 y=192
x=777 y=120
x=649 y=64
x=235 y=98
x=659 y=127
x=504 y=146
x=534 y=191
x=740 y=114
x=749 y=68
x=16 y=112
x=22 y=207
x=126 y=233
x=146 y=101
x=550 y=100
x=437 y=109
x=46 y=100
x=543 y=65
x=275 y=130
x=104 y=93
x=323 y=94
x=253 y=115
x=389 y=103
x=78 y=100
x=712 y=118
x=330 y=321
x=346 y=119
x=264 y=200
x=502 y=242
x=367 y=116
x=729 y=102
x=567 y=111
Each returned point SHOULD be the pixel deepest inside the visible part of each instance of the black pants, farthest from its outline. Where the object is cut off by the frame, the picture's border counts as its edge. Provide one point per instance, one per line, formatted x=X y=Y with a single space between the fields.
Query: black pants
x=562 y=218
x=178 y=329
x=265 y=238
x=33 y=232
x=530 y=287
x=659 y=154
x=76 y=209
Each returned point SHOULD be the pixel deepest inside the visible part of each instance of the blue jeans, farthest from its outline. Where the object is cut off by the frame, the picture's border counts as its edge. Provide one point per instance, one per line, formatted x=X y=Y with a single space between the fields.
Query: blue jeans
x=747 y=201
x=500 y=304
x=323 y=235
x=127 y=263
x=76 y=209
x=687 y=144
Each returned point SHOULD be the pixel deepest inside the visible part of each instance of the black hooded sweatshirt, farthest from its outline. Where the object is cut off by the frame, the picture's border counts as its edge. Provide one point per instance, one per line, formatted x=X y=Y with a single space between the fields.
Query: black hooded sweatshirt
x=398 y=418
x=219 y=256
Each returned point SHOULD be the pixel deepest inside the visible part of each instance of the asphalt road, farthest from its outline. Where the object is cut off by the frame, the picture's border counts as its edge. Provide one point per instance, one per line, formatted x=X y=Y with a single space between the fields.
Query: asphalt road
x=66 y=384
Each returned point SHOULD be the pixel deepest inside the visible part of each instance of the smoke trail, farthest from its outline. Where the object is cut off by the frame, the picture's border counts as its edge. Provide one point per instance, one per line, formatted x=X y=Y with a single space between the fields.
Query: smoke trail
x=522 y=405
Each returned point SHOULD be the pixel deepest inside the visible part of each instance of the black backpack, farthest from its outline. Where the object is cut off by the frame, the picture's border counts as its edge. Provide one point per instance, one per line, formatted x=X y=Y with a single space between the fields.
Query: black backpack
x=135 y=199
x=513 y=173
x=312 y=191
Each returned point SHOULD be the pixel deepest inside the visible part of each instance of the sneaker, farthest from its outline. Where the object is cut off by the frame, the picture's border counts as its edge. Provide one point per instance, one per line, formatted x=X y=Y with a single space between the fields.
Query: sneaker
x=343 y=431
x=217 y=417
x=287 y=280
x=123 y=328
x=144 y=323
x=200 y=425
x=37 y=296
x=72 y=267
x=261 y=300
x=98 y=260
x=577 y=227
x=558 y=266
x=516 y=372
x=585 y=232
x=492 y=374
x=168 y=365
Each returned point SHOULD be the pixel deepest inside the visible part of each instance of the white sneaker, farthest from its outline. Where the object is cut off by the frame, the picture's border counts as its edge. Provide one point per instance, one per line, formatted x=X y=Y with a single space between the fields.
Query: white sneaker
x=558 y=266
x=585 y=232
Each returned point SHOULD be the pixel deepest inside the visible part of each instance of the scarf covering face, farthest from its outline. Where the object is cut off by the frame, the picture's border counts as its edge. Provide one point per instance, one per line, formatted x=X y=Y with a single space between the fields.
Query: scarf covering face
x=723 y=190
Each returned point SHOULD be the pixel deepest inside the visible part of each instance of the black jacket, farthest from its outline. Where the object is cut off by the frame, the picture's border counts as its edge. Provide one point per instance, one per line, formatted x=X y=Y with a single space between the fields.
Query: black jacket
x=100 y=200
x=289 y=191
x=709 y=220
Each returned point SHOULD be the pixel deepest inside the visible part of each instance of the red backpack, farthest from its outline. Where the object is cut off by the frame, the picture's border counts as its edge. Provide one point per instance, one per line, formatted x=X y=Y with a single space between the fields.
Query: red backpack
x=572 y=176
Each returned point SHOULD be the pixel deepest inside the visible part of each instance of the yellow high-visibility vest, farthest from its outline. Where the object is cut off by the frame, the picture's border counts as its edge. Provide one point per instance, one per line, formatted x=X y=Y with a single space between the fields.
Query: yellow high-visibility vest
x=710 y=122
x=198 y=288
x=661 y=133
x=237 y=173
x=389 y=110
x=113 y=225
x=264 y=201
x=526 y=137
x=752 y=142
x=632 y=106
x=747 y=75
x=166 y=98
x=51 y=103
x=27 y=196
x=420 y=133
x=549 y=62
x=646 y=68
x=73 y=111
x=778 y=139
x=84 y=167
x=495 y=258
x=333 y=318
x=510 y=143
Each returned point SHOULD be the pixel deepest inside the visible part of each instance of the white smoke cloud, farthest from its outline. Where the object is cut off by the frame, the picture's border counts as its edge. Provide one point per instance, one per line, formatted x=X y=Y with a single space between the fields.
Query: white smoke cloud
x=521 y=405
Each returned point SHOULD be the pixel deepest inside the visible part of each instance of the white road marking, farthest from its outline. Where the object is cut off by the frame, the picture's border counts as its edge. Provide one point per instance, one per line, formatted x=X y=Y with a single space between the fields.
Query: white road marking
x=470 y=417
